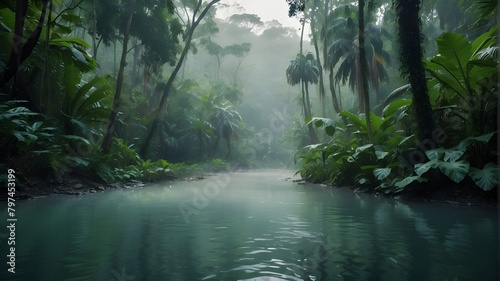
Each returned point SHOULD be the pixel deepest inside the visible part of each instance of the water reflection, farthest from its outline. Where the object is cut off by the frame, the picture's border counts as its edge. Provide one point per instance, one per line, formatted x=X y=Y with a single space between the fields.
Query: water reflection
x=258 y=228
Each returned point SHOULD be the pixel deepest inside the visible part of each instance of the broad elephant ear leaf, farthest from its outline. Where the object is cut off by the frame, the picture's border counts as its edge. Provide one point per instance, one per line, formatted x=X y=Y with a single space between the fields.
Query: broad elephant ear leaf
x=381 y=173
x=487 y=178
x=454 y=49
x=359 y=122
x=456 y=171
x=406 y=181
x=395 y=106
x=421 y=168
x=452 y=155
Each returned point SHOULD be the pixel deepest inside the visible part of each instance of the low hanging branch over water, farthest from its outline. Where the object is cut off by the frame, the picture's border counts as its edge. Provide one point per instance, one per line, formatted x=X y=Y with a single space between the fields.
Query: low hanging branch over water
x=195 y=21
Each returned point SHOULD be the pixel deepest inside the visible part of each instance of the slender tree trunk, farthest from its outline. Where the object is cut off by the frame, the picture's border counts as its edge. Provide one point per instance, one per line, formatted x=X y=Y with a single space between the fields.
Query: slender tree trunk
x=321 y=79
x=332 y=91
x=310 y=128
x=21 y=51
x=135 y=62
x=46 y=71
x=316 y=50
x=308 y=100
x=170 y=82
x=363 y=79
x=94 y=31
x=410 y=37
x=305 y=94
x=106 y=143
x=326 y=42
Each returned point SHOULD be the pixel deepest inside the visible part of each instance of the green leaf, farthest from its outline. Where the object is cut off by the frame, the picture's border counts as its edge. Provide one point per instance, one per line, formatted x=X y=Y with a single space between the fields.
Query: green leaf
x=19 y=136
x=483 y=138
x=452 y=155
x=456 y=171
x=330 y=130
x=77 y=138
x=36 y=126
x=435 y=154
x=62 y=29
x=421 y=168
x=75 y=40
x=79 y=161
x=78 y=55
x=394 y=106
x=487 y=178
x=71 y=18
x=403 y=141
x=406 y=181
x=455 y=48
x=32 y=137
x=380 y=154
x=382 y=173
x=361 y=123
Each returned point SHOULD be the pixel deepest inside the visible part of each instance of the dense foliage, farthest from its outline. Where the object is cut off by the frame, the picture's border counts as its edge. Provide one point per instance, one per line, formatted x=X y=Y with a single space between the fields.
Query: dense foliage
x=438 y=130
x=145 y=90
x=85 y=84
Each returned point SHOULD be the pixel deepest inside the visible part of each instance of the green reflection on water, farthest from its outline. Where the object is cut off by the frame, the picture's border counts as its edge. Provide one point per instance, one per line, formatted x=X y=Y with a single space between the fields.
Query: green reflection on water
x=250 y=226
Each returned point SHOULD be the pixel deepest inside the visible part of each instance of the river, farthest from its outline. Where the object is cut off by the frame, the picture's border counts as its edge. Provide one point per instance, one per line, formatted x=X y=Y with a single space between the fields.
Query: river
x=251 y=225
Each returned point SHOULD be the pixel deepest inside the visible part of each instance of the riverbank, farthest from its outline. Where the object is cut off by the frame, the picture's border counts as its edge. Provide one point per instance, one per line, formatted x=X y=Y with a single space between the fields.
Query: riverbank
x=460 y=195
x=79 y=186
x=29 y=188
x=448 y=194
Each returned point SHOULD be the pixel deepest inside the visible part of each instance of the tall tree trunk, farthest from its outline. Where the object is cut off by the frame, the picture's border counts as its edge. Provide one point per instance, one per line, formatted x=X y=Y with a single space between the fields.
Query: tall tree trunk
x=362 y=78
x=20 y=50
x=106 y=143
x=45 y=88
x=335 y=102
x=411 y=53
x=312 y=132
x=303 y=94
x=326 y=43
x=313 y=138
x=94 y=31
x=135 y=63
x=318 y=58
x=170 y=81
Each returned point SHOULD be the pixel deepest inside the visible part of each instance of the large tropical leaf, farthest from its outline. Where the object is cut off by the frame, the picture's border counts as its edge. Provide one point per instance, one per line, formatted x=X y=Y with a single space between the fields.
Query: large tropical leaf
x=329 y=124
x=454 y=52
x=381 y=173
x=456 y=171
x=396 y=105
x=483 y=138
x=435 y=154
x=359 y=122
x=486 y=178
x=421 y=168
x=406 y=181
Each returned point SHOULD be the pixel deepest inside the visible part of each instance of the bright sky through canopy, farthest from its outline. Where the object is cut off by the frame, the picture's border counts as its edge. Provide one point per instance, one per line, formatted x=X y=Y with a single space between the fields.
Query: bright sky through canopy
x=267 y=10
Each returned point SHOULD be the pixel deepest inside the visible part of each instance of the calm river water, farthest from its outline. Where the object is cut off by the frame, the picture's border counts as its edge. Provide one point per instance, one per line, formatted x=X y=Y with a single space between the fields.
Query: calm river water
x=248 y=226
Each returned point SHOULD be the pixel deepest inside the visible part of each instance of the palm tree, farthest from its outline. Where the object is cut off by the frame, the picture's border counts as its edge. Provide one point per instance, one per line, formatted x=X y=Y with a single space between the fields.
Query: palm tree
x=225 y=121
x=304 y=70
x=344 y=50
x=200 y=129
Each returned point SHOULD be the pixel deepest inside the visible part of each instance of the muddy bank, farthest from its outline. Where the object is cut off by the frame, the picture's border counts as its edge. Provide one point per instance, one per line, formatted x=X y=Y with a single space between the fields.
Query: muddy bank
x=449 y=194
x=77 y=186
